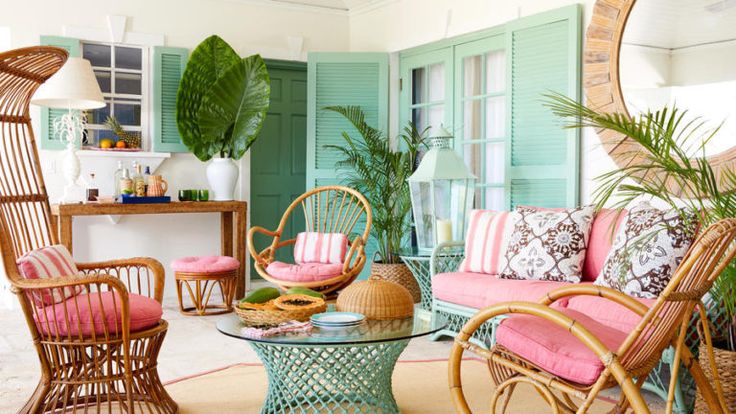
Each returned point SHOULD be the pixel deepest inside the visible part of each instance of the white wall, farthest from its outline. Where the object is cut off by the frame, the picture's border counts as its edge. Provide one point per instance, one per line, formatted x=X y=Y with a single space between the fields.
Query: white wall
x=248 y=27
x=404 y=24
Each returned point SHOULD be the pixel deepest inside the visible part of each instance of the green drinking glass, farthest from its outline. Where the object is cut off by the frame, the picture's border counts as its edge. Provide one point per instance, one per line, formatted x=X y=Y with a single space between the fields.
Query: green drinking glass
x=185 y=195
x=203 y=195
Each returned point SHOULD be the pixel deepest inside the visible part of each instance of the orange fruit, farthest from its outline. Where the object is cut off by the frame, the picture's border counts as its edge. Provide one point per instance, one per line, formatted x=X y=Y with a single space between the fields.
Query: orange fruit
x=106 y=143
x=120 y=144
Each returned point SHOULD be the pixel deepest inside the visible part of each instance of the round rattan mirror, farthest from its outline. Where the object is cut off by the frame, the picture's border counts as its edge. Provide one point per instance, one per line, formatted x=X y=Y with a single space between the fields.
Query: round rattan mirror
x=642 y=55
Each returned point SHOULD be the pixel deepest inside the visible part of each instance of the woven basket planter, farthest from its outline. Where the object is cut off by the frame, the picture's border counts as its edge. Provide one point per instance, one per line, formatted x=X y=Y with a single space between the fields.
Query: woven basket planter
x=399 y=274
x=726 y=364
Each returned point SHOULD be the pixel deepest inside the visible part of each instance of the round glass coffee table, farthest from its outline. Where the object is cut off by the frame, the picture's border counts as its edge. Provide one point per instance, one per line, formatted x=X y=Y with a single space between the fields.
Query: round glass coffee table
x=332 y=370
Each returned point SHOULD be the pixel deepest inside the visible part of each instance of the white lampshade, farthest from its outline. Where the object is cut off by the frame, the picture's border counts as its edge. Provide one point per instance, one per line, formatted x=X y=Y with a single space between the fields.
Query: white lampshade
x=74 y=86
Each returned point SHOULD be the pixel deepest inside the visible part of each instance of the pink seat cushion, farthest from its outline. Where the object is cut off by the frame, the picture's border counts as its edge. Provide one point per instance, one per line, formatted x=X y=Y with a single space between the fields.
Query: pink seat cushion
x=305 y=272
x=554 y=348
x=600 y=242
x=607 y=311
x=478 y=290
x=484 y=243
x=83 y=315
x=205 y=264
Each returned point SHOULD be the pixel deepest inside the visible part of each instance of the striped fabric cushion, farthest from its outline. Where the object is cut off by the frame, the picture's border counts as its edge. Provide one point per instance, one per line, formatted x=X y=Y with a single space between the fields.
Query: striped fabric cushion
x=487 y=232
x=46 y=263
x=320 y=248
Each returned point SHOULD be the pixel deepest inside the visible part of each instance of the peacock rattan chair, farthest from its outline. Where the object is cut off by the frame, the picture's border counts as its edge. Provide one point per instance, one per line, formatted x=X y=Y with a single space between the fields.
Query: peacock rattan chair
x=112 y=370
x=329 y=209
x=663 y=324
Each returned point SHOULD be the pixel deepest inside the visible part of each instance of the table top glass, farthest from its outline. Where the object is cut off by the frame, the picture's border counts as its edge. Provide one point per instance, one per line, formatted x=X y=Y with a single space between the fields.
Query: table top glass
x=367 y=332
x=414 y=253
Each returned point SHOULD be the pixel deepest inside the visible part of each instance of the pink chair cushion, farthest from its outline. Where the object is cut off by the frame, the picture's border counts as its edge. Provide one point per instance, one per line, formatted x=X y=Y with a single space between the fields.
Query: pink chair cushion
x=85 y=316
x=554 y=348
x=48 y=263
x=477 y=290
x=484 y=241
x=205 y=264
x=311 y=247
x=600 y=241
x=607 y=312
x=305 y=272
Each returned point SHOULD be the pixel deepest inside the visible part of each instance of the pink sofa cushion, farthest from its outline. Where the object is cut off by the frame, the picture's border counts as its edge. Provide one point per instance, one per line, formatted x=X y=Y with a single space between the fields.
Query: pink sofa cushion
x=600 y=241
x=477 y=290
x=205 y=264
x=484 y=241
x=606 y=311
x=554 y=348
x=48 y=263
x=305 y=272
x=84 y=314
x=313 y=247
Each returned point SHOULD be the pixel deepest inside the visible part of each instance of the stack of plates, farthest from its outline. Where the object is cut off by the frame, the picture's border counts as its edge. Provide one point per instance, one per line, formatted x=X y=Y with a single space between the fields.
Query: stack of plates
x=337 y=319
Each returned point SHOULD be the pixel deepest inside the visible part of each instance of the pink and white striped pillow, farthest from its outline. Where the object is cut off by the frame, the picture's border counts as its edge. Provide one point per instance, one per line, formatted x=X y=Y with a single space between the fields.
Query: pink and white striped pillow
x=47 y=263
x=325 y=248
x=484 y=244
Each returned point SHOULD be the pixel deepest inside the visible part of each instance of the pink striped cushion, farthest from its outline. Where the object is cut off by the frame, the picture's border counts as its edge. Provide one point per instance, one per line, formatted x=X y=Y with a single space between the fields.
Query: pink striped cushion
x=487 y=231
x=328 y=248
x=47 y=263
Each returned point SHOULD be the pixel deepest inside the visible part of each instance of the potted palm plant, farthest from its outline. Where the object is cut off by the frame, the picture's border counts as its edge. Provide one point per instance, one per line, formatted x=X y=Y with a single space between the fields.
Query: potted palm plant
x=379 y=170
x=220 y=108
x=673 y=151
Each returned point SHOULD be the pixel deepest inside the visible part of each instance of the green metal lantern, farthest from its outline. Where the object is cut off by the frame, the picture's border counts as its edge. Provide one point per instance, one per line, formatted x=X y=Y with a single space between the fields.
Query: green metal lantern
x=442 y=190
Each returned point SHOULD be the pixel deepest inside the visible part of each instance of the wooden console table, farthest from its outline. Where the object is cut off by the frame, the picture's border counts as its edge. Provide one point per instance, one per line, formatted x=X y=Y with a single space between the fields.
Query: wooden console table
x=232 y=222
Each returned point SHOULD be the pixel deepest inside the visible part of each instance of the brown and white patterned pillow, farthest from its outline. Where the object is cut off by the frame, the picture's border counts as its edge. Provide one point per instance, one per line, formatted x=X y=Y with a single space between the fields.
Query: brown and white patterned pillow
x=648 y=248
x=548 y=244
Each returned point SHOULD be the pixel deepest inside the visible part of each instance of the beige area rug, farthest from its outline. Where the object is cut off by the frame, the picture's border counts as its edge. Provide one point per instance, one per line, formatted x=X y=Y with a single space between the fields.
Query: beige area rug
x=419 y=388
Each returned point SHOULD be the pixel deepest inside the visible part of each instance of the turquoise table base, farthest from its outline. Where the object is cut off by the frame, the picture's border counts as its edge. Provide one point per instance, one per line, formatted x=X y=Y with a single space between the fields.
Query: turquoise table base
x=351 y=378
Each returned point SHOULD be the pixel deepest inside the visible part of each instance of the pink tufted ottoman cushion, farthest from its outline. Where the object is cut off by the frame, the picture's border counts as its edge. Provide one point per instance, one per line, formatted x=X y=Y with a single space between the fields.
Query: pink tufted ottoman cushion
x=205 y=264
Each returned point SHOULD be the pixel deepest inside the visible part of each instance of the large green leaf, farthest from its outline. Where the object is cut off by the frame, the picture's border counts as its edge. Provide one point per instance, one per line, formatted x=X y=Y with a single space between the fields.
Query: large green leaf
x=207 y=63
x=236 y=105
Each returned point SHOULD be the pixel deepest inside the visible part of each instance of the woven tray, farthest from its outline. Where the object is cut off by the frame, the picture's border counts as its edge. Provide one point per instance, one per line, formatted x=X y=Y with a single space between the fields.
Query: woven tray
x=276 y=317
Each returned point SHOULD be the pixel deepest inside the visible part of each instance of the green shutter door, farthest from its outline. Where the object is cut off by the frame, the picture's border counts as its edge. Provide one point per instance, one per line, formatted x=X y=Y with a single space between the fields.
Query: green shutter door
x=543 y=158
x=168 y=67
x=49 y=140
x=359 y=79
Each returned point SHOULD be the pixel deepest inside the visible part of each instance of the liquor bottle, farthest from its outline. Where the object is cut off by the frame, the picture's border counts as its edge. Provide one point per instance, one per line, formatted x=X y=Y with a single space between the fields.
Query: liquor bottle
x=147 y=177
x=92 y=191
x=117 y=176
x=139 y=186
x=126 y=184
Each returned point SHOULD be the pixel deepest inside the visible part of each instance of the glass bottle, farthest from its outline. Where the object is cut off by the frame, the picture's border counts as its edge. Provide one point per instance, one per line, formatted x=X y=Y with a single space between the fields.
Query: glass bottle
x=139 y=185
x=126 y=184
x=146 y=177
x=92 y=191
x=117 y=176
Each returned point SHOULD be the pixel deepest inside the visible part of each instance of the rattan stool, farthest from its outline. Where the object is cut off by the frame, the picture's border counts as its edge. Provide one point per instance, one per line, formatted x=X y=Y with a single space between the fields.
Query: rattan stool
x=200 y=275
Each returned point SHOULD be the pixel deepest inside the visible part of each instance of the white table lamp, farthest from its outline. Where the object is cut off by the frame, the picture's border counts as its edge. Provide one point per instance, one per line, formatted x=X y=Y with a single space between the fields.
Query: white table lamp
x=73 y=87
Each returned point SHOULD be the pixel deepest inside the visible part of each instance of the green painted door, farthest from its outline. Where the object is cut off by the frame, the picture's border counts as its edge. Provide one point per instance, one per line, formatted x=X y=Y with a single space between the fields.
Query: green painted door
x=278 y=157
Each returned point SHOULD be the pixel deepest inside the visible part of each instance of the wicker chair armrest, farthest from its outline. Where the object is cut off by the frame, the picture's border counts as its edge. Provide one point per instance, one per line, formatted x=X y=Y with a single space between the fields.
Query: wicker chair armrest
x=357 y=249
x=594 y=290
x=142 y=275
x=266 y=255
x=439 y=263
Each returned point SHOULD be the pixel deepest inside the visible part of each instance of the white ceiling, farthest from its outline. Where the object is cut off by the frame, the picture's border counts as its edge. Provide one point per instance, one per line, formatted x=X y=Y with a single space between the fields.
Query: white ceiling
x=674 y=24
x=339 y=6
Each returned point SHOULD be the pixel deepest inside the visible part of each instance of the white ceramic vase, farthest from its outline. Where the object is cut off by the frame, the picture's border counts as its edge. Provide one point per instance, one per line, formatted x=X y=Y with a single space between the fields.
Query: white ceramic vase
x=222 y=175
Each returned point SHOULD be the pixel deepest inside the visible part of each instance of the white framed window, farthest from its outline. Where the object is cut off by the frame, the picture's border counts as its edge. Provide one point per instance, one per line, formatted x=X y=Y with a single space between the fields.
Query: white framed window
x=123 y=73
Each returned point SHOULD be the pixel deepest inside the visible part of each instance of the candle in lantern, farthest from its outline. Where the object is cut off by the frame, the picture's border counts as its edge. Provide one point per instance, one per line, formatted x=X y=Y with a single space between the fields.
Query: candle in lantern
x=444 y=230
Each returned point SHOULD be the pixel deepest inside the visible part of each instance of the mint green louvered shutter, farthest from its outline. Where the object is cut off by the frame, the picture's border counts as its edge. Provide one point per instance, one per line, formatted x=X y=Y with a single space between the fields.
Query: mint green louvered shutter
x=168 y=67
x=49 y=140
x=543 y=161
x=342 y=79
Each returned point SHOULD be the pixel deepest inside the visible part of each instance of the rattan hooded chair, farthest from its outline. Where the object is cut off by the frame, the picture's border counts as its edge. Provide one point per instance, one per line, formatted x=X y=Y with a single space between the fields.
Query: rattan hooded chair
x=662 y=325
x=328 y=209
x=83 y=369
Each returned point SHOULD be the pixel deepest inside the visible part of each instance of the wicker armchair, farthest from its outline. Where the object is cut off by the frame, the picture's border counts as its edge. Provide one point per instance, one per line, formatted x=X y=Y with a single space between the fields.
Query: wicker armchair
x=329 y=209
x=662 y=325
x=111 y=369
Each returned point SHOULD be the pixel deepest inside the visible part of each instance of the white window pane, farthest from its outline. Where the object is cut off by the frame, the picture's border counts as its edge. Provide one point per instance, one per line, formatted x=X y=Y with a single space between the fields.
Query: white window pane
x=494 y=199
x=103 y=79
x=496 y=71
x=128 y=83
x=417 y=86
x=128 y=113
x=99 y=116
x=436 y=116
x=419 y=118
x=128 y=58
x=437 y=82
x=472 y=120
x=98 y=55
x=495 y=162
x=472 y=157
x=495 y=117
x=472 y=76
